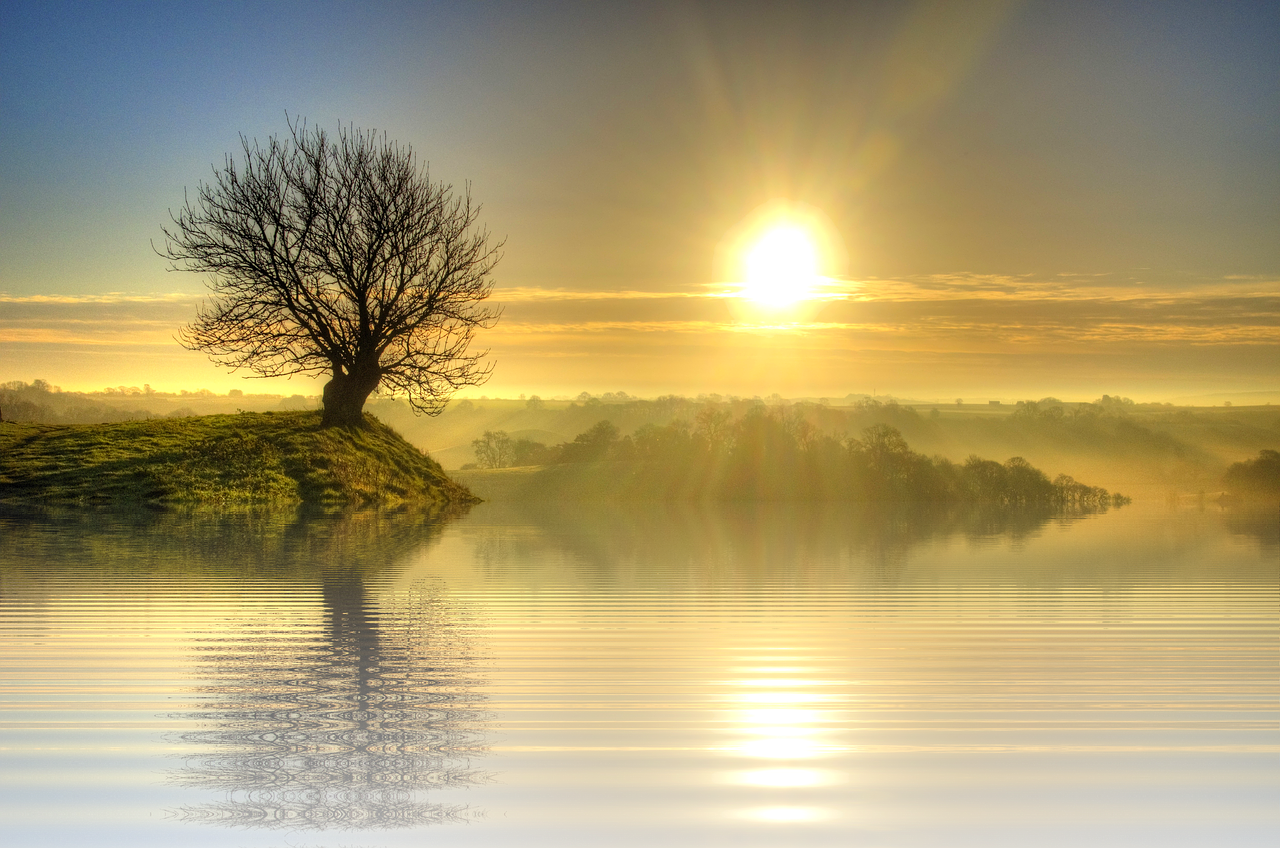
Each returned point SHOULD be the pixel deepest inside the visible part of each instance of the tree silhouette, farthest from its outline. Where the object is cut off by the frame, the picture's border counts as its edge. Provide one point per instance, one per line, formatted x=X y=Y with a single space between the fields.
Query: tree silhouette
x=339 y=256
x=494 y=450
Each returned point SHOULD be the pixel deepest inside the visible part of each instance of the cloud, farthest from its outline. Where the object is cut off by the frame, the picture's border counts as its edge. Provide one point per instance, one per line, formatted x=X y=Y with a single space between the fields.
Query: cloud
x=949 y=312
x=103 y=297
x=528 y=294
x=103 y=319
x=952 y=312
x=957 y=329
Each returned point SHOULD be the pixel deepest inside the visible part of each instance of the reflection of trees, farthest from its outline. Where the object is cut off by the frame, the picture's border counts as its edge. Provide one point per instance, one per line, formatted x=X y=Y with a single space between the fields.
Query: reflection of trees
x=263 y=542
x=751 y=541
x=1260 y=522
x=337 y=720
x=343 y=727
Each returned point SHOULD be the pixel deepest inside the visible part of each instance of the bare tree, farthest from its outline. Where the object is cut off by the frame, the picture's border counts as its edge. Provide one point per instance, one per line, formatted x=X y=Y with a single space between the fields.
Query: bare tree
x=339 y=256
x=494 y=450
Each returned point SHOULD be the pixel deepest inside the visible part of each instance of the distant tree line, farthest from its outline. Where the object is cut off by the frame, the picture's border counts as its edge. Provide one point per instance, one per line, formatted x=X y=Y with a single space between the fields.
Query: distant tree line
x=777 y=454
x=42 y=403
x=1110 y=425
x=1257 y=477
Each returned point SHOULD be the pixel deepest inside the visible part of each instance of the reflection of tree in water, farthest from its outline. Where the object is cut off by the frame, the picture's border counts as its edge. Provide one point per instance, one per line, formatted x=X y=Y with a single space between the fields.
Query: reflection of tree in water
x=1260 y=522
x=748 y=541
x=306 y=721
x=339 y=727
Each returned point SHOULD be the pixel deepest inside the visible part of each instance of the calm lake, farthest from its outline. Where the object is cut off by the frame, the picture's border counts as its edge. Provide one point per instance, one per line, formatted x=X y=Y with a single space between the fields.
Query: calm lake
x=666 y=676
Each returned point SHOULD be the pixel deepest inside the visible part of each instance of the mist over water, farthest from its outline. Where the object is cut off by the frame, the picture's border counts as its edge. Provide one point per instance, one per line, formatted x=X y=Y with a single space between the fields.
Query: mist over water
x=754 y=674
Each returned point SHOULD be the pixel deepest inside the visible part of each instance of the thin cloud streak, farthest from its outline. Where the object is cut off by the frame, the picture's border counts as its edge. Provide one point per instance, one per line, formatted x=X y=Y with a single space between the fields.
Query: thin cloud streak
x=941 y=334
x=128 y=338
x=953 y=312
x=527 y=294
x=941 y=287
x=104 y=297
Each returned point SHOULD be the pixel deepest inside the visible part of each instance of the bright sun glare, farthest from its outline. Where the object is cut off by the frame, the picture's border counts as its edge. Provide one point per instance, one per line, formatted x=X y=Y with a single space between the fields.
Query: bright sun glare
x=782 y=267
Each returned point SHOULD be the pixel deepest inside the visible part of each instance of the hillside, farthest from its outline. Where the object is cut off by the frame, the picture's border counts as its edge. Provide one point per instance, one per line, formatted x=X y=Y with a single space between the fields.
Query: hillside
x=246 y=458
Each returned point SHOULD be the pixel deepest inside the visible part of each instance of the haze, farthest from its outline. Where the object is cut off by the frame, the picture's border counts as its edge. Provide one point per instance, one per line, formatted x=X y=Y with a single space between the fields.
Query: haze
x=1006 y=199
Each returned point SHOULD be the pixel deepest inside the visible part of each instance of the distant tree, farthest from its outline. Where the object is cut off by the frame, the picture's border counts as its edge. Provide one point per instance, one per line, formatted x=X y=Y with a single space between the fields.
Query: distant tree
x=534 y=402
x=1114 y=404
x=593 y=444
x=1258 y=476
x=529 y=452
x=884 y=447
x=712 y=424
x=669 y=443
x=338 y=256
x=1025 y=484
x=493 y=450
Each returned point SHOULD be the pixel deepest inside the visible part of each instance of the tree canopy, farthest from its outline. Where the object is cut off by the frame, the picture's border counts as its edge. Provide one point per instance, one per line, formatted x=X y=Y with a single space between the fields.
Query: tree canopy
x=339 y=255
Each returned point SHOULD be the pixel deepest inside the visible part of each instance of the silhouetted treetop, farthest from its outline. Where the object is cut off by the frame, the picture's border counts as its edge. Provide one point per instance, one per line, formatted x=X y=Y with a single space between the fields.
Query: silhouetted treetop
x=339 y=255
x=1259 y=476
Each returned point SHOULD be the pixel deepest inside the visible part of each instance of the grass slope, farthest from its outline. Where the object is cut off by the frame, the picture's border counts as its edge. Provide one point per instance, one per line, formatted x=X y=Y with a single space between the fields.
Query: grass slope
x=245 y=458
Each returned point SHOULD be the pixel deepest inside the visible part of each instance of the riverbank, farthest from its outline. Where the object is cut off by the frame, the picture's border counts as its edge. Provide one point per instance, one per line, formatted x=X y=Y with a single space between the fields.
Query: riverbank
x=278 y=458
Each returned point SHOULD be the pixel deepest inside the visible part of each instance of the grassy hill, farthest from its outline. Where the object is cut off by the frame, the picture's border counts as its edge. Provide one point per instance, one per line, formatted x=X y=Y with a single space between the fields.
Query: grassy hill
x=244 y=458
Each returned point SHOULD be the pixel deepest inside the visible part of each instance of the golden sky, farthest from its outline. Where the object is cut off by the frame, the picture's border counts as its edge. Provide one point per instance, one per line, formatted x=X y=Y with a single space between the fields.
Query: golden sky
x=1013 y=199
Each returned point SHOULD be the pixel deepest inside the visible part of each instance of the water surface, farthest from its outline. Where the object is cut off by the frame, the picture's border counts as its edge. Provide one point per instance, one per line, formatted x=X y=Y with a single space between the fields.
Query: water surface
x=743 y=676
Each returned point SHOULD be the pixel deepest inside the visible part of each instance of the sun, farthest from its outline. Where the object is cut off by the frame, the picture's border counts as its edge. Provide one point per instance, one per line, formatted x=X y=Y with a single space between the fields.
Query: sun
x=781 y=267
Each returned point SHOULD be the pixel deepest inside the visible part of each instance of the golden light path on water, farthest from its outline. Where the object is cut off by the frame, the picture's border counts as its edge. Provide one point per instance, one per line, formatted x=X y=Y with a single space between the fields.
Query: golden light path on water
x=794 y=733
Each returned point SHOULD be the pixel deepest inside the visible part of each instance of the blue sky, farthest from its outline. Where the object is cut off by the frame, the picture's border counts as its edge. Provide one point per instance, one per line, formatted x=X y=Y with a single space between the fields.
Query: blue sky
x=1034 y=198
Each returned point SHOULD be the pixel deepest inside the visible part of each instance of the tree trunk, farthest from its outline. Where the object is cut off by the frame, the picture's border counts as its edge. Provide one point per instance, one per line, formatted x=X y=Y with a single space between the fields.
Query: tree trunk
x=345 y=394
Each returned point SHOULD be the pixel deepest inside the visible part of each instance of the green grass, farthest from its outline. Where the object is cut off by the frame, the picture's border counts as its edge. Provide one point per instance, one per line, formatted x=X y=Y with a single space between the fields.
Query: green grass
x=279 y=458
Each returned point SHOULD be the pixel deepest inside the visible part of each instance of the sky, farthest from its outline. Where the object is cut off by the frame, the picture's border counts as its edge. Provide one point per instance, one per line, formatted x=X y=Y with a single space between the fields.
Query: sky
x=1011 y=199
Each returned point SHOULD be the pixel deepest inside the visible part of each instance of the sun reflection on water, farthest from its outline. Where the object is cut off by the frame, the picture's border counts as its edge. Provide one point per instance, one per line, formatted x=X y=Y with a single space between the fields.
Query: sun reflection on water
x=789 y=815
x=779 y=718
x=784 y=733
x=783 y=697
x=784 y=778
x=782 y=748
x=783 y=718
